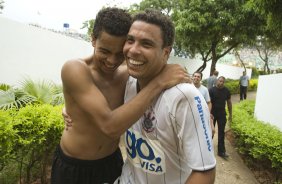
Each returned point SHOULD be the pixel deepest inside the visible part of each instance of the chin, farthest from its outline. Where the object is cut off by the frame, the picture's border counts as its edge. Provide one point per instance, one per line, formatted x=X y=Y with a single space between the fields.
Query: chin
x=134 y=74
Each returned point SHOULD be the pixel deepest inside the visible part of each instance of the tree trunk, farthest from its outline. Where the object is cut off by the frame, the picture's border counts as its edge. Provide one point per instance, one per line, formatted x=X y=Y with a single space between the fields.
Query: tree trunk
x=202 y=68
x=213 y=66
x=214 y=59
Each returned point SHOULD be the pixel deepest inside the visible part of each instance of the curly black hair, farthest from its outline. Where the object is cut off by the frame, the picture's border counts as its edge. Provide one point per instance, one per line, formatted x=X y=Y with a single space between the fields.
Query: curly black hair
x=114 y=21
x=163 y=21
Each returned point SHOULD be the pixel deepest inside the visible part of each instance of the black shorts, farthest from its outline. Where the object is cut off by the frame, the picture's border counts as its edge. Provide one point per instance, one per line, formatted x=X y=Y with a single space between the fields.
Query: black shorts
x=67 y=170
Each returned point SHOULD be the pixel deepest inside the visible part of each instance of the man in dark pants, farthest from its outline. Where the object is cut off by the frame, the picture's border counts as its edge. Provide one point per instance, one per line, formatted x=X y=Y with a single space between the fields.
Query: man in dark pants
x=219 y=95
x=244 y=83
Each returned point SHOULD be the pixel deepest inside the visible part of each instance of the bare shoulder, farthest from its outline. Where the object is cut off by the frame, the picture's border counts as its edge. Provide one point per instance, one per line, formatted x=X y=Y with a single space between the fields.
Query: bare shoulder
x=75 y=71
x=73 y=63
x=73 y=66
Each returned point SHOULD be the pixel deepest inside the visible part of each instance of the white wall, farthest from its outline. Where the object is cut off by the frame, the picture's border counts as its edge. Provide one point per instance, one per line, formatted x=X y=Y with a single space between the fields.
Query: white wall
x=30 y=51
x=231 y=72
x=269 y=99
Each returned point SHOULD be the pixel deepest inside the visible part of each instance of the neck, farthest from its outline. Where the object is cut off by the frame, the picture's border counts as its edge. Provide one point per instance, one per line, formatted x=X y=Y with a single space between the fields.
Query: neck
x=142 y=84
x=197 y=85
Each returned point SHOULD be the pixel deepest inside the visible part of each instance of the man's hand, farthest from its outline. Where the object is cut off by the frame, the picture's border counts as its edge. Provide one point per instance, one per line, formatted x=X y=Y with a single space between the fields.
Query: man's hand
x=171 y=75
x=67 y=119
x=212 y=125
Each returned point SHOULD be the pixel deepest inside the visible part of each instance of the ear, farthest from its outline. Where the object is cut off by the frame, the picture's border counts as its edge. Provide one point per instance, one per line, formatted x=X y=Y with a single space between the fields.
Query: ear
x=93 y=40
x=167 y=51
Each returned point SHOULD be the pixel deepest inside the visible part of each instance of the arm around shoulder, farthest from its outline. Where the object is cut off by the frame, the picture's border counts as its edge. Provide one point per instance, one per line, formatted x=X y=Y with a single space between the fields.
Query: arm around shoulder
x=79 y=86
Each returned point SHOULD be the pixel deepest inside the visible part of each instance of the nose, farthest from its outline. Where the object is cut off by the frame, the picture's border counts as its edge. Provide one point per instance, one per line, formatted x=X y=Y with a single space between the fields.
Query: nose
x=115 y=58
x=111 y=59
x=132 y=49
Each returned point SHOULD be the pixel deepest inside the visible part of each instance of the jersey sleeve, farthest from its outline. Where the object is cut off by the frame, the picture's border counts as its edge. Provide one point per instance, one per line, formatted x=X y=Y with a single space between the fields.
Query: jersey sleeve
x=192 y=116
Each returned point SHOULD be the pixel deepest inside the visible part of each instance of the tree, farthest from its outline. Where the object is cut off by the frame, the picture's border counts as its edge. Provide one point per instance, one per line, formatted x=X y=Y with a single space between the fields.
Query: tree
x=266 y=48
x=89 y=25
x=237 y=55
x=208 y=28
x=212 y=28
x=272 y=11
x=165 y=6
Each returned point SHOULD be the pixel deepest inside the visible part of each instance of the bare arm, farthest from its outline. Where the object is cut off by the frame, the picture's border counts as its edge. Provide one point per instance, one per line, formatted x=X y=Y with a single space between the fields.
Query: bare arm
x=211 y=119
x=77 y=82
x=202 y=177
x=209 y=105
x=229 y=106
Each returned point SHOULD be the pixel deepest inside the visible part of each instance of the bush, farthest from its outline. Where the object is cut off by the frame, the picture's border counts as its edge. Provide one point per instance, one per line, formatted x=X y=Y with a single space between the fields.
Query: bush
x=255 y=73
x=7 y=137
x=257 y=139
x=35 y=130
x=233 y=85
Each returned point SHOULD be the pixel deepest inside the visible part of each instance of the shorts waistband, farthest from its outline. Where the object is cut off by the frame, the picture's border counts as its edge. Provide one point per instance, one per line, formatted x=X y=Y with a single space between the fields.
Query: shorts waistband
x=77 y=161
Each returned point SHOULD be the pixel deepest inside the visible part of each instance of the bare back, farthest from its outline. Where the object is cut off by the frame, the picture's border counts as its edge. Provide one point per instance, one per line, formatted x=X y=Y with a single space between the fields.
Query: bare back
x=87 y=91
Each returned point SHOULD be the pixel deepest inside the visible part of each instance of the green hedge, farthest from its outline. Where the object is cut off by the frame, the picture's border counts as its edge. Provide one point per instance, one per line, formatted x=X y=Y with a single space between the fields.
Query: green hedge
x=257 y=139
x=28 y=138
x=233 y=85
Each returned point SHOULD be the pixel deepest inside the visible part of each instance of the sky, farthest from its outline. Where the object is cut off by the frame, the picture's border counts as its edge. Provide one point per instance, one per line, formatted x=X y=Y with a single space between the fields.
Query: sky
x=54 y=13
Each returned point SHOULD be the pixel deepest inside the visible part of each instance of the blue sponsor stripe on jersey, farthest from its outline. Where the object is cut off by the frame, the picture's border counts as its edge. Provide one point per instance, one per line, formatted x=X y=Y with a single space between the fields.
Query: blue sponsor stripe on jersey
x=201 y=112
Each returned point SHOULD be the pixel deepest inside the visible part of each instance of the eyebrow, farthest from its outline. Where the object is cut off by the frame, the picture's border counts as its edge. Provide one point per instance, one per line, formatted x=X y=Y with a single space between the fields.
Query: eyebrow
x=143 y=40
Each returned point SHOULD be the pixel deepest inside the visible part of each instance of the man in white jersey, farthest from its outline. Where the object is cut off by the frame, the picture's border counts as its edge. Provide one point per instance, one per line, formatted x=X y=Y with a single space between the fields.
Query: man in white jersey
x=172 y=142
x=197 y=78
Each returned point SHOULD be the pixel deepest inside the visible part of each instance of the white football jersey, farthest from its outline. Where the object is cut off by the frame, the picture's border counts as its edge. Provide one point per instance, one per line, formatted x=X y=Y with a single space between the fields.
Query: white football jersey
x=171 y=139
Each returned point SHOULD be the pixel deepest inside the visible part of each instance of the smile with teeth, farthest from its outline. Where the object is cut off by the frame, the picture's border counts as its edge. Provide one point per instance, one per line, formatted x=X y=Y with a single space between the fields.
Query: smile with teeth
x=134 y=62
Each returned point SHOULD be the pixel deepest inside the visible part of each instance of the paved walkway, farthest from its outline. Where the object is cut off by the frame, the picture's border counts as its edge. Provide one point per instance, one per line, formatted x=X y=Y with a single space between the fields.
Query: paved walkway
x=233 y=170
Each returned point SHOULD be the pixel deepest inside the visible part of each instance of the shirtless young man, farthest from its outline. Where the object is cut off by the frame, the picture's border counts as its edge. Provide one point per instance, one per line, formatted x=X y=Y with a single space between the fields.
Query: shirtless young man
x=94 y=89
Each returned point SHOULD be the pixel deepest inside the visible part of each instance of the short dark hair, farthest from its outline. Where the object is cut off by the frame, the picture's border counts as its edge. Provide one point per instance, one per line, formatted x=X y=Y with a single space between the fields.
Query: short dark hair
x=114 y=21
x=221 y=77
x=161 y=20
x=199 y=73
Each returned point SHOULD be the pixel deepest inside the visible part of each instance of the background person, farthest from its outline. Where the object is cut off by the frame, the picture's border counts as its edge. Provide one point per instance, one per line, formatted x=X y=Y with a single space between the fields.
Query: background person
x=211 y=81
x=171 y=142
x=244 y=83
x=220 y=95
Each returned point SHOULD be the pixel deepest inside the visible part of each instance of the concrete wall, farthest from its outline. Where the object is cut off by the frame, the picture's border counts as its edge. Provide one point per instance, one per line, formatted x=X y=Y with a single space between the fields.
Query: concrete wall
x=30 y=51
x=269 y=99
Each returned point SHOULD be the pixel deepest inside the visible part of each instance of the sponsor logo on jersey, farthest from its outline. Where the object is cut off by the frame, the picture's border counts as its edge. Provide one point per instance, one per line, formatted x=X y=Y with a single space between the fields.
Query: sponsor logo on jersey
x=145 y=153
x=202 y=116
